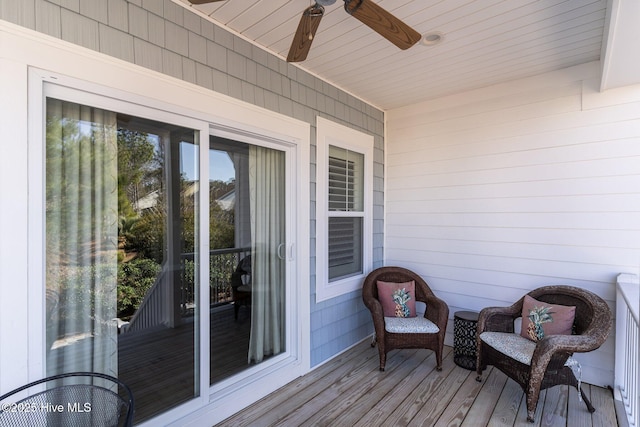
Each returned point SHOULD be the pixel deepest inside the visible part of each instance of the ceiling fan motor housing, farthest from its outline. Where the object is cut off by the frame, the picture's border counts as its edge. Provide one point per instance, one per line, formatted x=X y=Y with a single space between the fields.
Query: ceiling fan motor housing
x=325 y=2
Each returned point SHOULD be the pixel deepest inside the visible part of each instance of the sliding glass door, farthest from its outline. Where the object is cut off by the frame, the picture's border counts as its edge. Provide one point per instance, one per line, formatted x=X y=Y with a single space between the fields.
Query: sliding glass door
x=129 y=290
x=248 y=242
x=122 y=228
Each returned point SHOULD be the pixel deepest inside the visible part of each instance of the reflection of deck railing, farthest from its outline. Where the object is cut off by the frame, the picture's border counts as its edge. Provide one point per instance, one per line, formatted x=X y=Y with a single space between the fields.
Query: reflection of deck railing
x=627 y=367
x=154 y=310
x=222 y=262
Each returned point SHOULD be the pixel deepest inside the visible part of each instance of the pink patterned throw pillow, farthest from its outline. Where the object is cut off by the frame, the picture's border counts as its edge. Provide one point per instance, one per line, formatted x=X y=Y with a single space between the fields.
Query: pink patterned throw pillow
x=397 y=299
x=540 y=319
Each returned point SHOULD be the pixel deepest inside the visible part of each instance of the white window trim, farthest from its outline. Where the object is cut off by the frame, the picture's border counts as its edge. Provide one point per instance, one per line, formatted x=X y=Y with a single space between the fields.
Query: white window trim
x=331 y=133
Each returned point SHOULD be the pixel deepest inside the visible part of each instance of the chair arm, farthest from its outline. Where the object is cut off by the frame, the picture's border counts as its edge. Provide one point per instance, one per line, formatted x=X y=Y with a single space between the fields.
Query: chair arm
x=498 y=319
x=549 y=347
x=437 y=311
x=565 y=343
x=553 y=344
x=375 y=307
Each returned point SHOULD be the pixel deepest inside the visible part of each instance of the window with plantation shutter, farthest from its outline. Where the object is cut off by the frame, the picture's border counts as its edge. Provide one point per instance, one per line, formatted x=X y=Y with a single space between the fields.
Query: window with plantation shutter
x=341 y=181
x=346 y=173
x=343 y=208
x=345 y=247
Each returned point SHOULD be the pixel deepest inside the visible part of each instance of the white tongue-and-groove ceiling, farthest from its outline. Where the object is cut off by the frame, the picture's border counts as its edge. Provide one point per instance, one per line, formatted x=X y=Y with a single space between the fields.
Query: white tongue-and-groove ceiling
x=484 y=42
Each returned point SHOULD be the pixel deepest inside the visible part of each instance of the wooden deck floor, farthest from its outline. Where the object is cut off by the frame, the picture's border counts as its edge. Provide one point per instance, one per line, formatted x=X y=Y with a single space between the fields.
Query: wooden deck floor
x=350 y=391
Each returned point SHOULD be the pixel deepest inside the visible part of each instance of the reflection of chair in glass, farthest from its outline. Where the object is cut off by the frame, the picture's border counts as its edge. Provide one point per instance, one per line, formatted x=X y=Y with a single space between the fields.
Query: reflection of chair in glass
x=418 y=332
x=241 y=285
x=541 y=364
x=73 y=399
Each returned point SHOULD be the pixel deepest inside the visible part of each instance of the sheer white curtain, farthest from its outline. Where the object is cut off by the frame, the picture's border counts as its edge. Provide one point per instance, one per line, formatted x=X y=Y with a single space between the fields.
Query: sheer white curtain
x=81 y=234
x=267 y=201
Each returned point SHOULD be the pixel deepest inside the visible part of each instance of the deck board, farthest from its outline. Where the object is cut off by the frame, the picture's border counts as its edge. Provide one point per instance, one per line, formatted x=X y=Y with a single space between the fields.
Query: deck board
x=383 y=388
x=576 y=411
x=346 y=392
x=554 y=413
x=464 y=397
x=482 y=408
x=350 y=390
x=605 y=414
x=389 y=411
x=506 y=409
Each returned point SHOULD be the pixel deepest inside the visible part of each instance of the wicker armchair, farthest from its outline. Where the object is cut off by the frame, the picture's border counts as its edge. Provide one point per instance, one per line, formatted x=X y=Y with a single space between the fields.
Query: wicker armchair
x=437 y=312
x=550 y=358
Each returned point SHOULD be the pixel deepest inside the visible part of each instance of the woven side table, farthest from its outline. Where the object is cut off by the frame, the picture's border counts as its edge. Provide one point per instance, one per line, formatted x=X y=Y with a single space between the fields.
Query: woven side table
x=464 y=338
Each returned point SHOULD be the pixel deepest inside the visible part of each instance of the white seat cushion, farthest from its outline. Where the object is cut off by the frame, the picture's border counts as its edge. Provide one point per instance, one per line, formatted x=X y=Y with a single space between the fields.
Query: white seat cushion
x=410 y=325
x=514 y=346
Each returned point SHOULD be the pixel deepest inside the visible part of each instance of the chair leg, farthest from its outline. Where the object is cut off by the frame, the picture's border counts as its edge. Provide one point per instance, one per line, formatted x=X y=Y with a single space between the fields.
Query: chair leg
x=533 y=394
x=383 y=360
x=479 y=366
x=587 y=402
x=479 y=371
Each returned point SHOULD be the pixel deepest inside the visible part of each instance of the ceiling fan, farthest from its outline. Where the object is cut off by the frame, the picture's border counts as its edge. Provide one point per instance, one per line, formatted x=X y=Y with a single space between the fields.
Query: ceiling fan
x=368 y=12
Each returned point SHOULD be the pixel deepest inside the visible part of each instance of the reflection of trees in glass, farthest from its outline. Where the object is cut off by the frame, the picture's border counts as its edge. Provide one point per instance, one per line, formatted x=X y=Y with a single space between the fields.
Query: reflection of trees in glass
x=221 y=221
x=140 y=233
x=142 y=208
x=135 y=160
x=135 y=278
x=139 y=175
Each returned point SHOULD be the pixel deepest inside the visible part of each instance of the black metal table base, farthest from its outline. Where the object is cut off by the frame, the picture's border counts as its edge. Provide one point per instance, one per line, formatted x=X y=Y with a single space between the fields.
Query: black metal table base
x=464 y=339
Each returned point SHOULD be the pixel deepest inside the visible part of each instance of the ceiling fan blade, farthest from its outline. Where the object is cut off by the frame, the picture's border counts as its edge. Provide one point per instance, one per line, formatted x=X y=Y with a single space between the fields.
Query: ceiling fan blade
x=383 y=22
x=305 y=33
x=203 y=1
